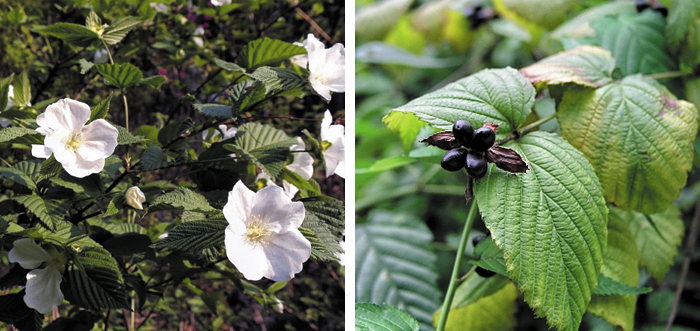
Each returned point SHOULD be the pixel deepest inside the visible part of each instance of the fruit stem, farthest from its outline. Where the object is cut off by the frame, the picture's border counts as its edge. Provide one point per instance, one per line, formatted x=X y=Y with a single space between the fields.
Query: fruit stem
x=454 y=279
x=536 y=124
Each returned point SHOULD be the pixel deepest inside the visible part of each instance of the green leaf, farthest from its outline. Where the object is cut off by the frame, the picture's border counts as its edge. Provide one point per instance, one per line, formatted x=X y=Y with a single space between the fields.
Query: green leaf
x=386 y=164
x=371 y=317
x=23 y=90
x=13 y=309
x=101 y=110
x=49 y=211
x=394 y=264
x=74 y=34
x=120 y=75
x=476 y=287
x=658 y=237
x=25 y=173
x=153 y=158
x=550 y=224
x=501 y=96
x=263 y=145
x=215 y=110
x=278 y=80
x=246 y=96
x=90 y=185
x=154 y=81
x=195 y=236
x=637 y=136
x=495 y=312
x=326 y=219
x=118 y=30
x=636 y=41
x=125 y=137
x=267 y=52
x=487 y=256
x=296 y=180
x=93 y=280
x=93 y=22
x=181 y=199
x=85 y=66
x=50 y=167
x=228 y=66
x=683 y=31
x=584 y=65
x=127 y=245
x=11 y=134
x=407 y=125
x=619 y=275
x=5 y=91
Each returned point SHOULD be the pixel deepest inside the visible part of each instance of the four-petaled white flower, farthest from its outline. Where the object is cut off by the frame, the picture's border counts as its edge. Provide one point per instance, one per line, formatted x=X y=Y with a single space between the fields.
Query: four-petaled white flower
x=220 y=2
x=43 y=290
x=326 y=66
x=334 y=155
x=303 y=165
x=135 y=197
x=81 y=149
x=159 y=7
x=263 y=237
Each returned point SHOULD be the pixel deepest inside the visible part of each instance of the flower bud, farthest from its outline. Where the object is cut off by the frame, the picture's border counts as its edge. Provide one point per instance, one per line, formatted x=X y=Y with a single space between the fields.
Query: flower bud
x=134 y=197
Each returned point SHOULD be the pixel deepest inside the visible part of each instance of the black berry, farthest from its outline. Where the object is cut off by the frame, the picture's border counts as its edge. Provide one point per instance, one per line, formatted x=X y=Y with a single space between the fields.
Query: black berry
x=483 y=139
x=484 y=273
x=463 y=132
x=454 y=159
x=642 y=5
x=659 y=8
x=476 y=240
x=476 y=165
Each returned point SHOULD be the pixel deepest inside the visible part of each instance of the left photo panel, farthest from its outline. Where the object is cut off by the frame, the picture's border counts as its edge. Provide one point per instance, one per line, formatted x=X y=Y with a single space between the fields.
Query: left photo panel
x=172 y=165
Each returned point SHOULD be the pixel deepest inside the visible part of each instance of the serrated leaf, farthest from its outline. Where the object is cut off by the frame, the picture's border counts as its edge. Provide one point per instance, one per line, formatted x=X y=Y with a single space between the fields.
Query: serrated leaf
x=127 y=245
x=85 y=66
x=23 y=90
x=658 y=237
x=501 y=96
x=278 y=80
x=620 y=273
x=90 y=185
x=326 y=219
x=93 y=22
x=153 y=158
x=50 y=212
x=246 y=96
x=395 y=265
x=636 y=41
x=74 y=34
x=124 y=137
x=12 y=134
x=297 y=181
x=407 y=125
x=476 y=287
x=101 y=110
x=120 y=75
x=495 y=312
x=118 y=30
x=181 y=199
x=264 y=145
x=228 y=66
x=24 y=173
x=487 y=256
x=371 y=317
x=13 y=308
x=215 y=110
x=584 y=65
x=637 y=136
x=683 y=31
x=550 y=224
x=117 y=228
x=154 y=81
x=195 y=236
x=607 y=286
x=5 y=91
x=267 y=52
x=94 y=281
x=50 y=167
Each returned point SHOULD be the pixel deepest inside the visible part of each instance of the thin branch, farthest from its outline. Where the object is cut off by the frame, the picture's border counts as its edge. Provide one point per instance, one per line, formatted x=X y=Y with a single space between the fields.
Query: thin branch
x=314 y=25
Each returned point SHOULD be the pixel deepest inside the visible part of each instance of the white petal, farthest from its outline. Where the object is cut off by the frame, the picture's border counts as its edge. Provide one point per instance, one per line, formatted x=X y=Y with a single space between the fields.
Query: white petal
x=303 y=163
x=82 y=168
x=248 y=259
x=135 y=197
x=321 y=89
x=66 y=114
x=99 y=139
x=41 y=151
x=43 y=289
x=10 y=95
x=27 y=253
x=334 y=156
x=286 y=254
x=240 y=203
x=326 y=125
x=277 y=210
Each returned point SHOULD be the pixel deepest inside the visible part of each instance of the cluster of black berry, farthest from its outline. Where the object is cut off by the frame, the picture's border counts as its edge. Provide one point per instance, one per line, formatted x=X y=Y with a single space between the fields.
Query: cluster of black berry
x=655 y=5
x=471 y=154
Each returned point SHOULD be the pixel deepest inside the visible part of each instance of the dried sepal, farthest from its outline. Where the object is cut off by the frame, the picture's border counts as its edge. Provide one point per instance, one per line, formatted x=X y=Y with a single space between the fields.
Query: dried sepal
x=492 y=126
x=444 y=140
x=506 y=159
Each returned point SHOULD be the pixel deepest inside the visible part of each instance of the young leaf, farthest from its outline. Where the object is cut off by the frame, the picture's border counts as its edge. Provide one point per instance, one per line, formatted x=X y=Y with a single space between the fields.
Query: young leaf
x=493 y=312
x=120 y=75
x=487 y=256
x=267 y=52
x=584 y=65
x=93 y=22
x=501 y=96
x=550 y=224
x=181 y=199
x=637 y=136
x=23 y=90
x=154 y=81
x=215 y=110
x=407 y=125
x=371 y=317
x=94 y=280
x=125 y=137
x=101 y=110
x=85 y=66
x=74 y=34
x=399 y=268
x=118 y=30
x=195 y=236
x=5 y=91
x=264 y=145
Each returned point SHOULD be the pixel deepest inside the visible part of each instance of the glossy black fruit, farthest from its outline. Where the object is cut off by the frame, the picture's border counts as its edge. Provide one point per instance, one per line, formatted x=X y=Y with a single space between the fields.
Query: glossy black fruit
x=484 y=273
x=463 y=132
x=642 y=5
x=483 y=139
x=659 y=8
x=454 y=159
x=476 y=240
x=476 y=165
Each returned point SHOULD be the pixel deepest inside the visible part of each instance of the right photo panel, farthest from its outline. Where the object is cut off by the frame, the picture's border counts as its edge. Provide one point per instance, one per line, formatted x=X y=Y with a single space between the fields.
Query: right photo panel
x=527 y=165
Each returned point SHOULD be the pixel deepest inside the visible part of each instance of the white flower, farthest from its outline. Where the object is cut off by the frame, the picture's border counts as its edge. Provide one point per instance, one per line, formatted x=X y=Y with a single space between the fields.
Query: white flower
x=4 y=122
x=198 y=32
x=303 y=165
x=220 y=2
x=303 y=59
x=101 y=56
x=228 y=133
x=81 y=149
x=159 y=7
x=326 y=66
x=43 y=291
x=341 y=255
x=263 y=238
x=135 y=197
x=335 y=153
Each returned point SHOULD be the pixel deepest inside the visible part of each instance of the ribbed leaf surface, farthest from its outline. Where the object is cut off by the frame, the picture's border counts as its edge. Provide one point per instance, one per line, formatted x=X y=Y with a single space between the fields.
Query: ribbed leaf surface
x=371 y=317
x=394 y=265
x=326 y=219
x=195 y=236
x=118 y=30
x=215 y=110
x=637 y=136
x=125 y=137
x=50 y=212
x=181 y=199
x=264 y=145
x=120 y=75
x=501 y=96
x=153 y=158
x=74 y=34
x=267 y=52
x=682 y=29
x=11 y=134
x=476 y=287
x=24 y=173
x=584 y=65
x=495 y=312
x=550 y=224
x=94 y=280
x=607 y=286
x=278 y=79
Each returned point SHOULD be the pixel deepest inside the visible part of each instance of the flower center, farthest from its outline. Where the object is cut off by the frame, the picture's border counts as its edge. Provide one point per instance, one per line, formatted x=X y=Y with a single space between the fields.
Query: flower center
x=256 y=232
x=56 y=259
x=321 y=79
x=75 y=141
